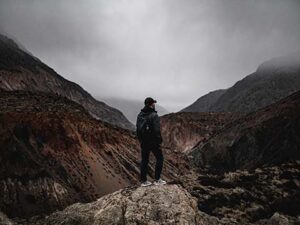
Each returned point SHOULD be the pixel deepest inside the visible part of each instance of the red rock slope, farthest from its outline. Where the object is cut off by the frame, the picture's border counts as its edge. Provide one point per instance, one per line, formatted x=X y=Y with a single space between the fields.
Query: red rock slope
x=53 y=153
x=183 y=130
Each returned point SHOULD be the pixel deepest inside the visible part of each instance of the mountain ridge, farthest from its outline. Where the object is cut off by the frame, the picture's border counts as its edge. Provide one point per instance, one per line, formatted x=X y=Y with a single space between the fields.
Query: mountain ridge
x=20 y=70
x=273 y=80
x=204 y=103
x=249 y=141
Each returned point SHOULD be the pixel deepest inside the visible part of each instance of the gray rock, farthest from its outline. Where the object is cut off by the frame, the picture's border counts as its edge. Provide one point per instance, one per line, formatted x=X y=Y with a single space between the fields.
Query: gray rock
x=278 y=219
x=4 y=220
x=154 y=205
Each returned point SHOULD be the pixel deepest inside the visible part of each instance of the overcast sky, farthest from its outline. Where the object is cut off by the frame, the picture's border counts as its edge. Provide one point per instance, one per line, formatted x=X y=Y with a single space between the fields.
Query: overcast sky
x=172 y=50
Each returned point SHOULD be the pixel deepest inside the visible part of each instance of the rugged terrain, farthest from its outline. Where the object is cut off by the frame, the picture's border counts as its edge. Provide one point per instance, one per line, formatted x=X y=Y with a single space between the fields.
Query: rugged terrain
x=249 y=170
x=269 y=136
x=259 y=196
x=273 y=80
x=19 y=70
x=53 y=153
x=183 y=130
x=231 y=202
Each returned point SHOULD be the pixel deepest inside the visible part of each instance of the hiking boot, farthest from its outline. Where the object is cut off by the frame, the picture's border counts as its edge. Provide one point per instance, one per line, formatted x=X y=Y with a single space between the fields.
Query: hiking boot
x=145 y=184
x=160 y=182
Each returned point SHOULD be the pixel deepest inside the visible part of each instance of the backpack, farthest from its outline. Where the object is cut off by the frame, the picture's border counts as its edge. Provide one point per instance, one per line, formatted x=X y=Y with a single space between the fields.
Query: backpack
x=143 y=127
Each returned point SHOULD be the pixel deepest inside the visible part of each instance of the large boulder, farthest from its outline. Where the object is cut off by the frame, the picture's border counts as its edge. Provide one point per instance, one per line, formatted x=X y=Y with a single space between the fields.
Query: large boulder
x=169 y=204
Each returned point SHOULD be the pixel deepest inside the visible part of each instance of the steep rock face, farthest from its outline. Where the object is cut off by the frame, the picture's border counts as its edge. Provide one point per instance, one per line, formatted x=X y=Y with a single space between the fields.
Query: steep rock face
x=272 y=81
x=182 y=131
x=53 y=153
x=19 y=70
x=204 y=103
x=266 y=137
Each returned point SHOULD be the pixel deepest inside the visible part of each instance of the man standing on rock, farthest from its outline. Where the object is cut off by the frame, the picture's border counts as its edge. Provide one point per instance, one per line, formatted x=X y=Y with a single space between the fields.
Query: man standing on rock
x=149 y=135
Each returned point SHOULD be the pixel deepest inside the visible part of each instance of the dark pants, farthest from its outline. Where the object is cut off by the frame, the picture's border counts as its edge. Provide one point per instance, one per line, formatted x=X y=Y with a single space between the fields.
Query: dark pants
x=156 y=150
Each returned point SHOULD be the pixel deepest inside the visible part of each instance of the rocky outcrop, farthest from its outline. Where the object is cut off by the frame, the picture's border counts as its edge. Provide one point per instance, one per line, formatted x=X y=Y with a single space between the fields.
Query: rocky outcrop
x=4 y=220
x=269 y=136
x=182 y=131
x=272 y=81
x=53 y=154
x=169 y=204
x=19 y=70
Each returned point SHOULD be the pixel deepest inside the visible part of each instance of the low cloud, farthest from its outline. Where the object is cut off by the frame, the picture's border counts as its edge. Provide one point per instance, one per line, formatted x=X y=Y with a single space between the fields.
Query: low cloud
x=173 y=50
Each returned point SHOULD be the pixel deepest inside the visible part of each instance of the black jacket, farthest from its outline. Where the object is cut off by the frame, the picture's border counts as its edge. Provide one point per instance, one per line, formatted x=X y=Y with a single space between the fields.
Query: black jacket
x=153 y=119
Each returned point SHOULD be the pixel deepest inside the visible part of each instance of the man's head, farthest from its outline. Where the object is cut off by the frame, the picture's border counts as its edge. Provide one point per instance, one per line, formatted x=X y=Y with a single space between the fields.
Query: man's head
x=150 y=102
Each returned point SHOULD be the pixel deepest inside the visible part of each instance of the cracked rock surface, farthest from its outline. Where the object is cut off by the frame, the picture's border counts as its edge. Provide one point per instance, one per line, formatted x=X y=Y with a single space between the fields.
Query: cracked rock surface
x=168 y=204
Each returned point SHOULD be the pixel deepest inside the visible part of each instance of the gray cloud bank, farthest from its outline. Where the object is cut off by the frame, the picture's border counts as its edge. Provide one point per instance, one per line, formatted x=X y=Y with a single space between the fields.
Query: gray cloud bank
x=173 y=50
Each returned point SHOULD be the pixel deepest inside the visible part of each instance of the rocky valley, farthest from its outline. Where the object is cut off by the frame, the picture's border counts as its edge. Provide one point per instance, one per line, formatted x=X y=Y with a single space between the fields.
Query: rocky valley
x=74 y=160
x=231 y=158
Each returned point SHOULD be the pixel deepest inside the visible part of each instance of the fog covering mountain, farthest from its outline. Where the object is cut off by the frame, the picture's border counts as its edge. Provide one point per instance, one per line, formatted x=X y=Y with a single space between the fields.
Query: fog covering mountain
x=20 y=70
x=117 y=49
x=130 y=107
x=273 y=80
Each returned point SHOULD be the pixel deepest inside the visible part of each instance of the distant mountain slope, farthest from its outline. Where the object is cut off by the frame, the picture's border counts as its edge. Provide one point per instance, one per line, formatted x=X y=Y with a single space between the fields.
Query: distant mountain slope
x=183 y=130
x=131 y=108
x=269 y=136
x=204 y=103
x=273 y=80
x=19 y=70
x=53 y=153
